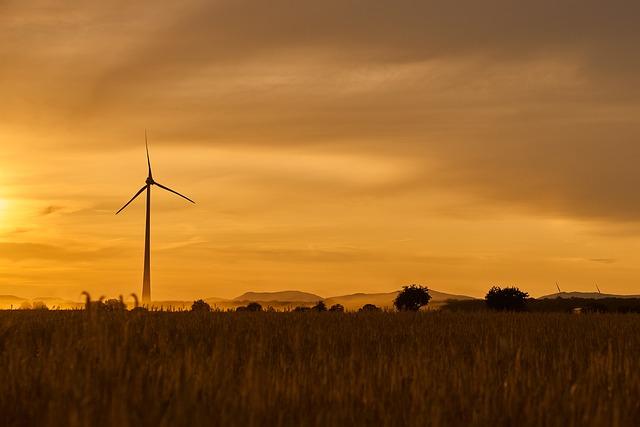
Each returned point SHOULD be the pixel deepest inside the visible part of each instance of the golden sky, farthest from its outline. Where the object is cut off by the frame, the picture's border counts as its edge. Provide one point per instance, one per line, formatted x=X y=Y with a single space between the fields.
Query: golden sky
x=332 y=146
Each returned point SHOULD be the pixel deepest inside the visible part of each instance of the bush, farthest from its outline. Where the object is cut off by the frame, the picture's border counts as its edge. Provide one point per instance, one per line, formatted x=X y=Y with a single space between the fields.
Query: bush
x=412 y=297
x=509 y=299
x=337 y=308
x=114 y=305
x=201 y=306
x=254 y=306
x=370 y=307
x=595 y=307
x=39 y=305
x=301 y=309
x=320 y=306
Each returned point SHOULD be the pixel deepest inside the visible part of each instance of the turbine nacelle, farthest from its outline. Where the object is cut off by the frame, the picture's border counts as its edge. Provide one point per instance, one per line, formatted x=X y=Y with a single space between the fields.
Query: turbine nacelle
x=150 y=181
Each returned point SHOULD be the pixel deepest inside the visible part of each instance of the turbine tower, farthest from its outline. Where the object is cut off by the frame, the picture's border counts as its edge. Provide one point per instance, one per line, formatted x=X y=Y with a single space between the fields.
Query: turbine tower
x=146 y=279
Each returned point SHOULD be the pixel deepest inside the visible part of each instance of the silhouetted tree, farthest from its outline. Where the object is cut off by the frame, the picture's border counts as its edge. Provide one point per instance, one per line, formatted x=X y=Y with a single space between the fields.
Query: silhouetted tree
x=115 y=305
x=40 y=305
x=412 y=297
x=369 y=307
x=200 y=306
x=320 y=306
x=509 y=298
x=254 y=306
x=337 y=308
x=301 y=309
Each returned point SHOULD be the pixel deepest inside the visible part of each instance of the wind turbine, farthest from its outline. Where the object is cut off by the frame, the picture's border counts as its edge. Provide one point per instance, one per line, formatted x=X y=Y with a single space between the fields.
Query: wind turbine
x=598 y=288
x=146 y=280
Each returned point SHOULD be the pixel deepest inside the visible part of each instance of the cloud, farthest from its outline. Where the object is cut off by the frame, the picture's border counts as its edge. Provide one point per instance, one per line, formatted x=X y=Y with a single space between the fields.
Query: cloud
x=372 y=119
x=15 y=251
x=129 y=51
x=603 y=260
x=520 y=106
x=50 y=209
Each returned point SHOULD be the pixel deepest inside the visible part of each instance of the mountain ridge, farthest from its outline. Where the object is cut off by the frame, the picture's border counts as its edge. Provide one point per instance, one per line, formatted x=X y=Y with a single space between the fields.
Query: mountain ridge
x=283 y=296
x=586 y=295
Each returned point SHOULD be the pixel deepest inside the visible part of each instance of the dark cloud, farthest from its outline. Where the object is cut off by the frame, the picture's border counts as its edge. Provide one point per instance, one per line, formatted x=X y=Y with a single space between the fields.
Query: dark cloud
x=525 y=105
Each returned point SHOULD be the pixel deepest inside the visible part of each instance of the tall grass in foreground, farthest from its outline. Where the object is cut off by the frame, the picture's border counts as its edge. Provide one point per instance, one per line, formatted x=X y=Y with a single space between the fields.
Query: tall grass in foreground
x=159 y=368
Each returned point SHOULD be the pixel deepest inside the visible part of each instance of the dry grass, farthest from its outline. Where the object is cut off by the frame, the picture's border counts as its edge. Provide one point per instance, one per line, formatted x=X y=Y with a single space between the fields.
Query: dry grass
x=64 y=368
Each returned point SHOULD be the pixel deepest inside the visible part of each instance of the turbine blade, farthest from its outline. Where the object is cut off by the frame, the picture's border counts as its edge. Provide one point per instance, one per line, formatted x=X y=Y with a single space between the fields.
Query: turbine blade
x=146 y=146
x=132 y=199
x=175 y=192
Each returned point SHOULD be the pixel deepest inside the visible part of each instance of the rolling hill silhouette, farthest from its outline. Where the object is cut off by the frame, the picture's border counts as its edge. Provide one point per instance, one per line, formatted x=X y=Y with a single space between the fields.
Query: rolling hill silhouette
x=350 y=301
x=12 y=301
x=281 y=296
x=585 y=295
x=279 y=299
x=290 y=299
x=357 y=300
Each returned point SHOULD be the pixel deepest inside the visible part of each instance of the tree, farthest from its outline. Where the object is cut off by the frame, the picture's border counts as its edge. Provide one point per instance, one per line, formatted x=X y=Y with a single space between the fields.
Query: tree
x=506 y=299
x=200 y=306
x=339 y=308
x=412 y=297
x=369 y=307
x=40 y=305
x=254 y=306
x=320 y=306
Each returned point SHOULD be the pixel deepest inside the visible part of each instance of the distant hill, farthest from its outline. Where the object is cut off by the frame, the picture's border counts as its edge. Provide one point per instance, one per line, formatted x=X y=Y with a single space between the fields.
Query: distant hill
x=282 y=296
x=586 y=295
x=57 y=302
x=354 y=301
x=215 y=299
x=8 y=301
x=12 y=301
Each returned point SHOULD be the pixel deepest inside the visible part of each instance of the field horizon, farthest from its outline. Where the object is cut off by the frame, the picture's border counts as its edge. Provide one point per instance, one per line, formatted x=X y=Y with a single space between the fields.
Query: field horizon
x=289 y=298
x=275 y=298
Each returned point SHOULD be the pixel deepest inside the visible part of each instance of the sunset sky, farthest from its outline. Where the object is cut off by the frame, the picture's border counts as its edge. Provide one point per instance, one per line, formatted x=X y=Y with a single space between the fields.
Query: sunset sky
x=332 y=146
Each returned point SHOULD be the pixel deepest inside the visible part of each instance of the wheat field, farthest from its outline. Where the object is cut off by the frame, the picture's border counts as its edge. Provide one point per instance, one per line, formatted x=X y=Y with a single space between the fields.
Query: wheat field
x=74 y=368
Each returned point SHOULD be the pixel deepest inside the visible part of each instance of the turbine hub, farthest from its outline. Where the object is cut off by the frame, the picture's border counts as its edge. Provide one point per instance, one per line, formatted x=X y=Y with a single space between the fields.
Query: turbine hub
x=150 y=181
